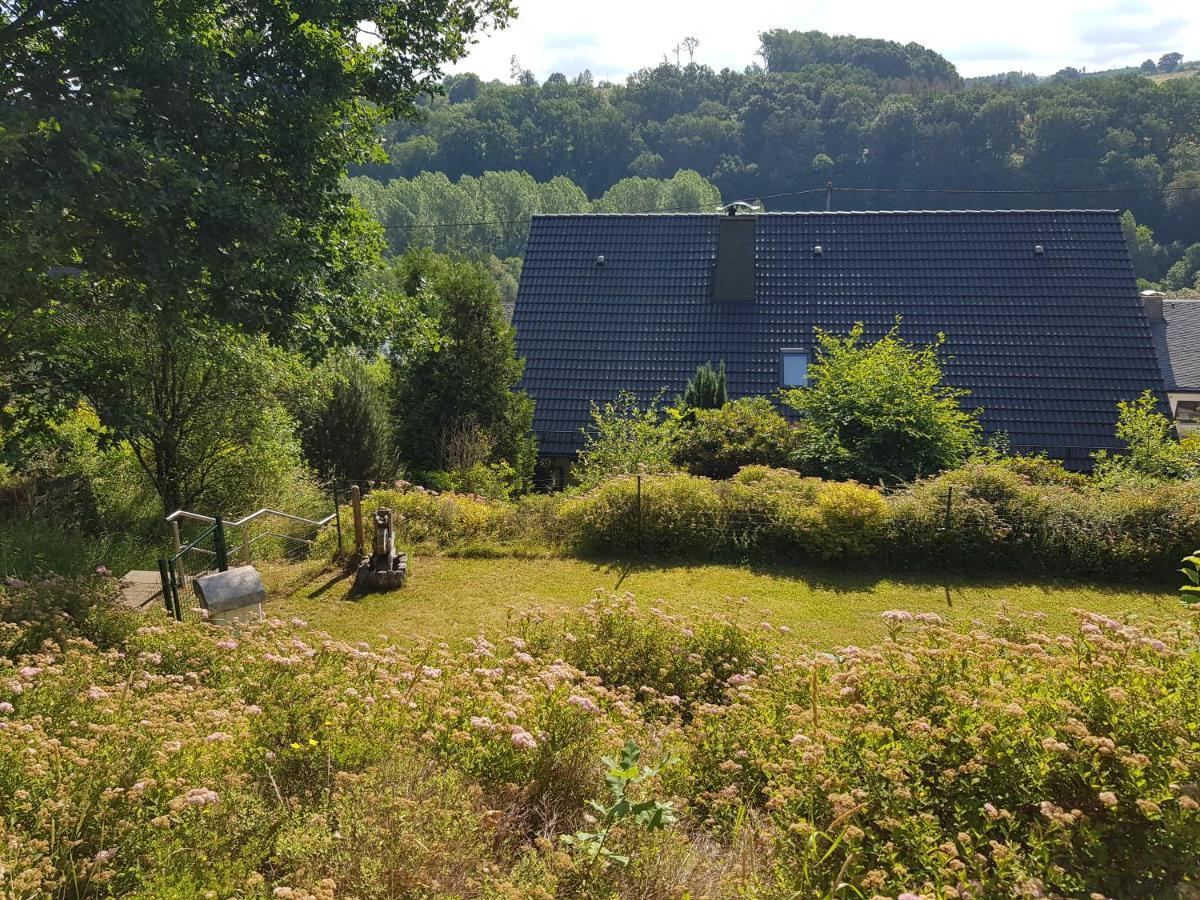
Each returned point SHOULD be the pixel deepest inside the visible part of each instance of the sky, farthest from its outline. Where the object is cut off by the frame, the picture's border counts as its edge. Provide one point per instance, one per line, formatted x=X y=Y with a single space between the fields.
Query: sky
x=612 y=38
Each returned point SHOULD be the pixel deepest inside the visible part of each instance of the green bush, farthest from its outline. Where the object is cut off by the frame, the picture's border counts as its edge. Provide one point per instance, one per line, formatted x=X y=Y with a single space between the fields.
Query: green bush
x=1152 y=452
x=57 y=610
x=680 y=515
x=881 y=412
x=998 y=519
x=667 y=662
x=624 y=438
x=718 y=442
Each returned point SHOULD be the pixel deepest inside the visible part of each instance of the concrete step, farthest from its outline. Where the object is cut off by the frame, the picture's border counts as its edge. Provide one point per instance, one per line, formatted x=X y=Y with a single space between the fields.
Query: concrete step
x=141 y=589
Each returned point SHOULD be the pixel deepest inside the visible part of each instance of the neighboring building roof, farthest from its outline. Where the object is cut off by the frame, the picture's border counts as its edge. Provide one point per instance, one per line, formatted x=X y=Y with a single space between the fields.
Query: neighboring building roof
x=1048 y=343
x=1177 y=340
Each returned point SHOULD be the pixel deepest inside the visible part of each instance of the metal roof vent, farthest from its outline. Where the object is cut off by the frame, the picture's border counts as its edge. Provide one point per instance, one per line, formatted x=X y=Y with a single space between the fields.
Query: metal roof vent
x=818 y=250
x=600 y=260
x=1038 y=249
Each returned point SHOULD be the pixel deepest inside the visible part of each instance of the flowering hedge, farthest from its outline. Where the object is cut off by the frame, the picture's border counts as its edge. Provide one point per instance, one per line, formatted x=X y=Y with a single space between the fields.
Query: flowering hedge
x=1023 y=516
x=183 y=760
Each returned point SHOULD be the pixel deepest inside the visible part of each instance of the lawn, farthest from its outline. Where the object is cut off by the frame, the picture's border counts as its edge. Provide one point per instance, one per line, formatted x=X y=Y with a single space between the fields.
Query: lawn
x=449 y=598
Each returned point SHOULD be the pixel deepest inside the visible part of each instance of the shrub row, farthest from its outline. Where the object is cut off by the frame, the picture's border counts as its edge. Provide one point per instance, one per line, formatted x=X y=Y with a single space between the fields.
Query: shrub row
x=1016 y=516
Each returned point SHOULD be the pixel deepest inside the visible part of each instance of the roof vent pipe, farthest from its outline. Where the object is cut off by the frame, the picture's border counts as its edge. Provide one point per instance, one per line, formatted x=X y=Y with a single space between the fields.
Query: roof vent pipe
x=1038 y=249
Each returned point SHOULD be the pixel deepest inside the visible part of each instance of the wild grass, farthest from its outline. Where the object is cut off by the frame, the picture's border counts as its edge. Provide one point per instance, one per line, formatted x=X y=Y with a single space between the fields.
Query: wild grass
x=31 y=547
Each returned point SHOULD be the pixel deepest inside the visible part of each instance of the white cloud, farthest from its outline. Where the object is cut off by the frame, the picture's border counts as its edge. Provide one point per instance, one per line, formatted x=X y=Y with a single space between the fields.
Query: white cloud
x=620 y=36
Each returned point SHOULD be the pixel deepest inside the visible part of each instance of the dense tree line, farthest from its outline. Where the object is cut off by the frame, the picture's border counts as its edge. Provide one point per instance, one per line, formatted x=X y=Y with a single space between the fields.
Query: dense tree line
x=864 y=114
x=489 y=214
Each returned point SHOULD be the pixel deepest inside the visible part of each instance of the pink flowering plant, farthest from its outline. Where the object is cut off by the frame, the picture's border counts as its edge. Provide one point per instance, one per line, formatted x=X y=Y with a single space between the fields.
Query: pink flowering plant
x=146 y=757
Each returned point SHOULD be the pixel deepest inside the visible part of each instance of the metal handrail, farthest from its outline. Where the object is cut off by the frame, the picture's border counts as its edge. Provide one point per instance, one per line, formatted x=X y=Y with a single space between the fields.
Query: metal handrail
x=192 y=546
x=246 y=520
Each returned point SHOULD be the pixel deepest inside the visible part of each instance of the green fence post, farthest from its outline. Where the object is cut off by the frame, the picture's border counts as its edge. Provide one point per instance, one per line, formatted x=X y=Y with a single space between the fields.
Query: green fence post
x=220 y=546
x=166 y=586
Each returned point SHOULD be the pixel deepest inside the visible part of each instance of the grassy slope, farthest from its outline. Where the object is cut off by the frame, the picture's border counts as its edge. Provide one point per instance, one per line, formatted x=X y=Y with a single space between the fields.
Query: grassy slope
x=452 y=598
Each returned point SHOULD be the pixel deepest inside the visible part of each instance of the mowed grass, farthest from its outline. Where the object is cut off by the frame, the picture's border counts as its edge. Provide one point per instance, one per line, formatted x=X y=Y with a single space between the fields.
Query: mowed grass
x=449 y=598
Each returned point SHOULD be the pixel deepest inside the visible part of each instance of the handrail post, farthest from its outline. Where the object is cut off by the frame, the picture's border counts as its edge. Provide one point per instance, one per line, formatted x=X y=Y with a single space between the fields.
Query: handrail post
x=220 y=547
x=246 y=544
x=175 y=534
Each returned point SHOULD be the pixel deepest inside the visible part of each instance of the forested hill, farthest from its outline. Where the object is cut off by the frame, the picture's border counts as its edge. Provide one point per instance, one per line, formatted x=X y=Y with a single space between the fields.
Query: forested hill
x=893 y=121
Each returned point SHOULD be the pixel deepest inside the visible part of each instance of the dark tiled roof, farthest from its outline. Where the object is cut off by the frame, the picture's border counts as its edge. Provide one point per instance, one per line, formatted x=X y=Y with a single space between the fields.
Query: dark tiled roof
x=1046 y=343
x=1177 y=340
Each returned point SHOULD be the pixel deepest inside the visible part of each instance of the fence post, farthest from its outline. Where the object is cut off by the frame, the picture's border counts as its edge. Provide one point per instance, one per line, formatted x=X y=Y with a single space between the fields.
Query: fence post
x=356 y=506
x=220 y=546
x=175 y=535
x=166 y=586
x=246 y=544
x=176 y=582
x=337 y=521
x=639 y=512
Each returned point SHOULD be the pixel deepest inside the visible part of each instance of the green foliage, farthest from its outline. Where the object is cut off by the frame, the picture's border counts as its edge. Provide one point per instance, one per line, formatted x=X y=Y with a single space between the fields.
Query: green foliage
x=792 y=51
x=706 y=389
x=991 y=517
x=622 y=775
x=1182 y=276
x=1152 y=452
x=719 y=441
x=346 y=433
x=56 y=610
x=197 y=408
x=677 y=515
x=1191 y=571
x=154 y=155
x=880 y=411
x=456 y=403
x=807 y=118
x=625 y=438
x=671 y=663
x=914 y=762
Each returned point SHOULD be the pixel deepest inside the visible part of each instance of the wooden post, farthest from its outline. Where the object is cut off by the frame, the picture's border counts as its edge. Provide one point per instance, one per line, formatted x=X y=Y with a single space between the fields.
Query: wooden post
x=246 y=543
x=356 y=505
x=175 y=535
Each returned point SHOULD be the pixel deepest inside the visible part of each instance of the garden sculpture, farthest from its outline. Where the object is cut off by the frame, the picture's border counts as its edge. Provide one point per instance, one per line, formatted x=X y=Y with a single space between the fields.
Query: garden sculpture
x=385 y=568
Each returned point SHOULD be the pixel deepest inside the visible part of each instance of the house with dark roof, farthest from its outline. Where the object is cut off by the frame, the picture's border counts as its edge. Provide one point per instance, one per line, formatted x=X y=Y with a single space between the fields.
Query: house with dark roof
x=1175 y=325
x=1040 y=310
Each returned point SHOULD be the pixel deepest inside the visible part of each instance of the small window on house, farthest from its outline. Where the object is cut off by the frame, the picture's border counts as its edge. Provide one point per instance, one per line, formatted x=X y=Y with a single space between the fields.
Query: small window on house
x=794 y=368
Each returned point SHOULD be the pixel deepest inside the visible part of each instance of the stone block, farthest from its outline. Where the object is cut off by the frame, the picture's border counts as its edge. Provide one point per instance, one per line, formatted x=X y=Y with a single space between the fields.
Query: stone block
x=233 y=596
